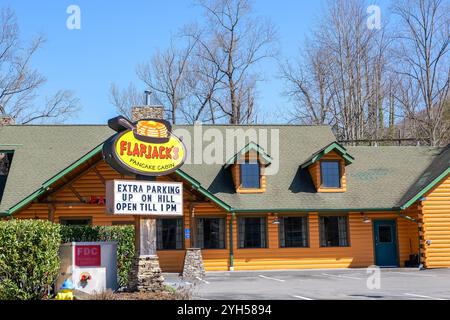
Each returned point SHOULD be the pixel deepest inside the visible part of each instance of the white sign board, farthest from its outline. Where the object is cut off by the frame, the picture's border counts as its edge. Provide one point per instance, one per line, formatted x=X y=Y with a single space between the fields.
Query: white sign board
x=144 y=198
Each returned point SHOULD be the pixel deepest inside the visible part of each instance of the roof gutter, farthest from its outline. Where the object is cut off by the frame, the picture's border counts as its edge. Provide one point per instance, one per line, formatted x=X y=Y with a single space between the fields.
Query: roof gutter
x=313 y=210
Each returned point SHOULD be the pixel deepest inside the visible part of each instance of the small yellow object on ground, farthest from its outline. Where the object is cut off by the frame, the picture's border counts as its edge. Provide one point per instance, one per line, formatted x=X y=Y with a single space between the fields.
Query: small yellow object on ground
x=66 y=295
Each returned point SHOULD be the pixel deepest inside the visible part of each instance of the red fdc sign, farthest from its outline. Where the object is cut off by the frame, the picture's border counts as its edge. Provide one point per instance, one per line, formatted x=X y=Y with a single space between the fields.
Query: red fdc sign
x=88 y=256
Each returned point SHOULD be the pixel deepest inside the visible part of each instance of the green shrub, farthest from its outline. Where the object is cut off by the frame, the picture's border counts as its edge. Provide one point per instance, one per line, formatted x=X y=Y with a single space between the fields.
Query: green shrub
x=123 y=235
x=29 y=260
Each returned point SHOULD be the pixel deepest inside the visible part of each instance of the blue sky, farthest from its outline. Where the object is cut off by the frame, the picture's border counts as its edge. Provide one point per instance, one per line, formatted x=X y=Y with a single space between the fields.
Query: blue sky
x=117 y=35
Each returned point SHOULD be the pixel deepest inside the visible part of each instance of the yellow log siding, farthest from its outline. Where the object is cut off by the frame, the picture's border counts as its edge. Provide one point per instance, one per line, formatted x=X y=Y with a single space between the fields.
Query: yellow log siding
x=435 y=220
x=359 y=253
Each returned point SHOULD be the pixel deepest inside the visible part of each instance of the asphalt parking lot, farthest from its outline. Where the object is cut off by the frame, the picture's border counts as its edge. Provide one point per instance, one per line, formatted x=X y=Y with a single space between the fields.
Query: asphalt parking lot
x=341 y=284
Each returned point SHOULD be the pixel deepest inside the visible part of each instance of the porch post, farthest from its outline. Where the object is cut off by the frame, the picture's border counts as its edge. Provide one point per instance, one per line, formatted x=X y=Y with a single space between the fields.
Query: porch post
x=231 y=242
x=193 y=267
x=145 y=274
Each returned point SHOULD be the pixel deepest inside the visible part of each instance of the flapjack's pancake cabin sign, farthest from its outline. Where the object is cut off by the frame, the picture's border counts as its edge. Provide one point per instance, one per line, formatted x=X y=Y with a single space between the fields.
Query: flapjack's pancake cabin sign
x=146 y=148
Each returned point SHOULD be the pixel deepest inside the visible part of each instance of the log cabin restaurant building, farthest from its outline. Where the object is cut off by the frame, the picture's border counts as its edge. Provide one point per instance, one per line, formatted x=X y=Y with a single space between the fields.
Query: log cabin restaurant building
x=328 y=206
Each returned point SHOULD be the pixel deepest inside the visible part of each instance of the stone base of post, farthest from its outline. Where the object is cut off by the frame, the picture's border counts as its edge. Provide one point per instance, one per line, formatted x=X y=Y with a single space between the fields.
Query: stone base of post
x=145 y=275
x=193 y=264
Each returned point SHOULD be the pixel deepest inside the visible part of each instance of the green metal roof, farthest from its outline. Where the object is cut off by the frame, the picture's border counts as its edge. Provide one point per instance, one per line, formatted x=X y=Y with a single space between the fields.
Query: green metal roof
x=378 y=179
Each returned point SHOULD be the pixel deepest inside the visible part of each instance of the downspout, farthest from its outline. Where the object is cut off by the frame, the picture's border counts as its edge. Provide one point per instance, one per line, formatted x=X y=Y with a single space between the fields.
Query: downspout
x=231 y=241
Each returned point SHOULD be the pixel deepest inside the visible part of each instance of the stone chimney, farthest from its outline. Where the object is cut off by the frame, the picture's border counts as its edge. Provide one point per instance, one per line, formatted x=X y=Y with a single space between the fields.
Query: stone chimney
x=147 y=112
x=6 y=120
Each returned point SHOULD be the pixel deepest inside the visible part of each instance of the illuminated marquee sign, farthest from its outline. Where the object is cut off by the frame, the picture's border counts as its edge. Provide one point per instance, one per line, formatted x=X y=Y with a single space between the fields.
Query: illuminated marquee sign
x=146 y=147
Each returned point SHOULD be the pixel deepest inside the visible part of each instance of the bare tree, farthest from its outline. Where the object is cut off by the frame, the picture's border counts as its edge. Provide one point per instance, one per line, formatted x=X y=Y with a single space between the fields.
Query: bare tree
x=308 y=86
x=424 y=63
x=19 y=83
x=203 y=81
x=166 y=75
x=124 y=99
x=233 y=42
x=340 y=79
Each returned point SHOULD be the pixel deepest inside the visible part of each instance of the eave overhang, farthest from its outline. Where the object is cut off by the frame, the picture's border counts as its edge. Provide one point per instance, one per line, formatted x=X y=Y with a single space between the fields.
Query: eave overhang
x=263 y=156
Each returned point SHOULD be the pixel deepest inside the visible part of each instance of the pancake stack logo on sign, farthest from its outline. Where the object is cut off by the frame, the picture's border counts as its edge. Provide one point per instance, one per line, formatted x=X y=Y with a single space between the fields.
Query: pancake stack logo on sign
x=147 y=147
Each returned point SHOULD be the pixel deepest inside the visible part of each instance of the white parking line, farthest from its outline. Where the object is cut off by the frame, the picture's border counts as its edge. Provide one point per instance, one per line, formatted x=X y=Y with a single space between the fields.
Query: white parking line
x=421 y=296
x=340 y=276
x=325 y=275
x=303 y=298
x=275 y=279
x=348 y=277
x=415 y=274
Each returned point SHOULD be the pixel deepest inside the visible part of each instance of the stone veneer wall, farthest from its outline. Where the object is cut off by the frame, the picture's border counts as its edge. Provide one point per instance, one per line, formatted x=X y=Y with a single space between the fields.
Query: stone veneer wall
x=193 y=264
x=145 y=275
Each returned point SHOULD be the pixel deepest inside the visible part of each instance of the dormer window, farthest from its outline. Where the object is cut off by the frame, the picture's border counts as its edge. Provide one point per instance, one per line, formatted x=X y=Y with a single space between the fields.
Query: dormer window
x=327 y=168
x=330 y=174
x=248 y=169
x=250 y=175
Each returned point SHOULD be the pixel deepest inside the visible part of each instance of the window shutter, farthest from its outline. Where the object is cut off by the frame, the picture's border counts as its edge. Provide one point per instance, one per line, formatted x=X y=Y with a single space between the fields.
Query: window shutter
x=323 y=241
x=221 y=233
x=200 y=233
x=241 y=224
x=179 y=234
x=263 y=232
x=342 y=225
x=304 y=231
x=159 y=237
x=281 y=233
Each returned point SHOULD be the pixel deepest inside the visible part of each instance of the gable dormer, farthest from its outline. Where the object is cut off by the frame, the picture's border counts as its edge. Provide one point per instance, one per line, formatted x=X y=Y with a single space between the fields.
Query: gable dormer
x=248 y=169
x=327 y=168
